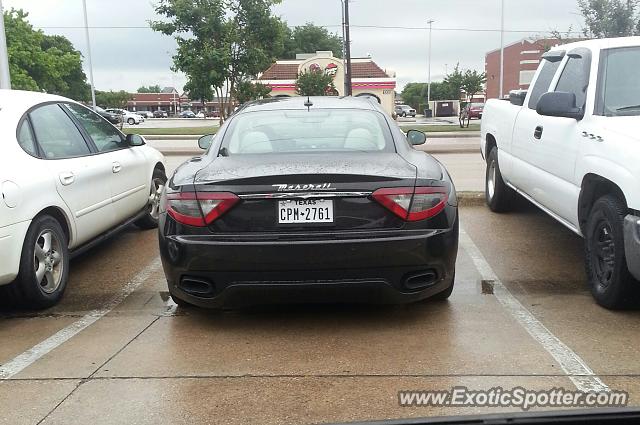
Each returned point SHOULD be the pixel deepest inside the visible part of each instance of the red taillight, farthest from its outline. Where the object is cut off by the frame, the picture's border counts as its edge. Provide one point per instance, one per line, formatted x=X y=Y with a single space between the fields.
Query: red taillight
x=413 y=204
x=199 y=209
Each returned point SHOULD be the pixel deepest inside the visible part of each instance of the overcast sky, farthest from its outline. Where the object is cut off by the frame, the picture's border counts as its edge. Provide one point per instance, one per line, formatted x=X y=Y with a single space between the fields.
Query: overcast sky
x=128 y=57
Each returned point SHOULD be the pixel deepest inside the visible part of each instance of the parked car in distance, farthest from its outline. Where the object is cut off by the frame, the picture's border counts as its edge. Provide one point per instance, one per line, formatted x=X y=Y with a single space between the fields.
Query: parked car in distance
x=145 y=114
x=200 y=115
x=160 y=114
x=212 y=114
x=474 y=110
x=68 y=180
x=331 y=197
x=571 y=145
x=130 y=118
x=405 y=111
x=187 y=114
x=111 y=117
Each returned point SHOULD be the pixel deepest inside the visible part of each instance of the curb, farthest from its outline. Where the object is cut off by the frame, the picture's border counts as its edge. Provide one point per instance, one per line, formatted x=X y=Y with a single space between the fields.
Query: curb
x=471 y=199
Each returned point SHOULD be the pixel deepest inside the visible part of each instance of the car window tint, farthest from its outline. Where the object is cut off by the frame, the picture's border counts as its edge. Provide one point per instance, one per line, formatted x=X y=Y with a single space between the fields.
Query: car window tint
x=621 y=93
x=105 y=136
x=543 y=82
x=25 y=139
x=573 y=80
x=319 y=130
x=56 y=133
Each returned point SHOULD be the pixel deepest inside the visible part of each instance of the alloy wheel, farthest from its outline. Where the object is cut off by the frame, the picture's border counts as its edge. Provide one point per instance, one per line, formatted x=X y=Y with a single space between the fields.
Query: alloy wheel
x=604 y=252
x=47 y=261
x=154 y=197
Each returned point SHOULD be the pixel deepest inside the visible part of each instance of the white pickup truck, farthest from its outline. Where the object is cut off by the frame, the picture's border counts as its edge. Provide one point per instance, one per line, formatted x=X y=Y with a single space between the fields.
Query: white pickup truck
x=571 y=145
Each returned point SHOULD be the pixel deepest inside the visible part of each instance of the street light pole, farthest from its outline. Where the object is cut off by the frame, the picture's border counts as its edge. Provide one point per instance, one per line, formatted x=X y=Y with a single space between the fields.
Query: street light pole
x=86 y=33
x=501 y=48
x=430 y=22
x=347 y=49
x=5 y=78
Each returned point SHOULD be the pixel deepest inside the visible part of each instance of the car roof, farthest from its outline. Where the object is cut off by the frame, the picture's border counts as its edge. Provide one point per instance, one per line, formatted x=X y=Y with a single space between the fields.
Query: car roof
x=319 y=102
x=601 y=43
x=18 y=101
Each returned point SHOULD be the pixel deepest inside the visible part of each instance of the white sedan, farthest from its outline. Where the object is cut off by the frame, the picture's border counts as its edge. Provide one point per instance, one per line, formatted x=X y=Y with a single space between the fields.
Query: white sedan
x=68 y=179
x=130 y=118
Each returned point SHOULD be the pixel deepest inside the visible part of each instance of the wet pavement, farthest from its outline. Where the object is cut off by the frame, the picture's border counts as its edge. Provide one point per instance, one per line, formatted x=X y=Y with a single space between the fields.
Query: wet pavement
x=117 y=351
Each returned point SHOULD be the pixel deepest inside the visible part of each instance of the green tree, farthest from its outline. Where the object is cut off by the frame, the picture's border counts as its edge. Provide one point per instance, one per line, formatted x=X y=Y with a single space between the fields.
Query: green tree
x=247 y=91
x=221 y=42
x=150 y=89
x=455 y=81
x=473 y=82
x=610 y=18
x=310 y=39
x=412 y=94
x=442 y=91
x=43 y=62
x=112 y=99
x=314 y=83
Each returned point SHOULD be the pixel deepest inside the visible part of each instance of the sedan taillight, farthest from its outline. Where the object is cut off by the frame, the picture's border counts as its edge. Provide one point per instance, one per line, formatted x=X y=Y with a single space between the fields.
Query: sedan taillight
x=412 y=204
x=199 y=209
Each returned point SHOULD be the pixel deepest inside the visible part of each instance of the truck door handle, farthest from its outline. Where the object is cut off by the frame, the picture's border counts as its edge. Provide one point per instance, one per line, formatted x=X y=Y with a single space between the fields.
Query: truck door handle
x=537 y=133
x=116 y=167
x=66 y=178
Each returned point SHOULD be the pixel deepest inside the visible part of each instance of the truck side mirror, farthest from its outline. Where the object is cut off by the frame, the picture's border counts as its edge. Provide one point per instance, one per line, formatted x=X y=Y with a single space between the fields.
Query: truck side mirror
x=559 y=104
x=517 y=97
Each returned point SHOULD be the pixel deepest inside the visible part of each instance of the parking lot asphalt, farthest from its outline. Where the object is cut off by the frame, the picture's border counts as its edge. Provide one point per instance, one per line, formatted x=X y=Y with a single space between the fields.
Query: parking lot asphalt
x=116 y=350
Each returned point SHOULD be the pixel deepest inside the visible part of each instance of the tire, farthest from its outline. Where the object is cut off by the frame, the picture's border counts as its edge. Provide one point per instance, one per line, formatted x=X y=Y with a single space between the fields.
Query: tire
x=131 y=121
x=609 y=279
x=444 y=295
x=404 y=115
x=180 y=302
x=150 y=219
x=44 y=288
x=498 y=195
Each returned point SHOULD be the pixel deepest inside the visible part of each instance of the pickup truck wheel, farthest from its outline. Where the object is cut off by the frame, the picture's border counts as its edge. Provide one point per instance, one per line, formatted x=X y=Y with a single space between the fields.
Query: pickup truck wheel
x=44 y=266
x=498 y=195
x=611 y=283
x=150 y=219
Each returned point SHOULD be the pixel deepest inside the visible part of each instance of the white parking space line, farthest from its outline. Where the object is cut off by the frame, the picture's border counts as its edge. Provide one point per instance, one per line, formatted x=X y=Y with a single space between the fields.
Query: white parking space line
x=27 y=358
x=577 y=370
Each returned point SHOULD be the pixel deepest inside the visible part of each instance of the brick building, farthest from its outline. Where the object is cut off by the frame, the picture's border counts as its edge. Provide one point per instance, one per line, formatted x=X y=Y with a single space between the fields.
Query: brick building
x=521 y=60
x=173 y=103
x=367 y=78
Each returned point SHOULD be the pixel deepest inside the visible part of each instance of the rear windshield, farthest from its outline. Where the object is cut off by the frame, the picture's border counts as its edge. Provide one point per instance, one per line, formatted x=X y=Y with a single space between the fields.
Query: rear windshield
x=319 y=130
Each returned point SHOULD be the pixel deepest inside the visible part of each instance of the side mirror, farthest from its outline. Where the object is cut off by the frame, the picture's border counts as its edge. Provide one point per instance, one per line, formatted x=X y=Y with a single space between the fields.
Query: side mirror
x=517 y=97
x=135 y=140
x=559 y=104
x=205 y=141
x=416 y=137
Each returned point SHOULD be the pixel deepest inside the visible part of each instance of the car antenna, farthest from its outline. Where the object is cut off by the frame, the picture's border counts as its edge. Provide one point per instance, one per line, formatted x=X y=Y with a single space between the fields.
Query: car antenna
x=308 y=103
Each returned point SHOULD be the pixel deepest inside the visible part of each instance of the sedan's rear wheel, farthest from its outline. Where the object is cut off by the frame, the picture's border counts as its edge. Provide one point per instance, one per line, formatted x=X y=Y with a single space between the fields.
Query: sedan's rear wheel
x=150 y=219
x=44 y=266
x=131 y=121
x=498 y=195
x=609 y=279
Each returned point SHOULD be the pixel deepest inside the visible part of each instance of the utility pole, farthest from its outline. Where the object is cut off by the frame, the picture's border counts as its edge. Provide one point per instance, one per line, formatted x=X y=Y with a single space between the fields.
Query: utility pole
x=347 y=49
x=344 y=50
x=5 y=78
x=86 y=33
x=430 y=22
x=501 y=48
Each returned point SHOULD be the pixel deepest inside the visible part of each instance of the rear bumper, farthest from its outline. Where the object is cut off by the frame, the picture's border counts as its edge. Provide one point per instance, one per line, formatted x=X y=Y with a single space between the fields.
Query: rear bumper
x=11 y=240
x=395 y=269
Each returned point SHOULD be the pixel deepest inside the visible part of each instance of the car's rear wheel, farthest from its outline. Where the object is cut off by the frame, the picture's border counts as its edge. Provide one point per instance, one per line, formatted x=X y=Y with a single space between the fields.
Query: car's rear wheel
x=131 y=121
x=609 y=279
x=150 y=219
x=498 y=195
x=44 y=266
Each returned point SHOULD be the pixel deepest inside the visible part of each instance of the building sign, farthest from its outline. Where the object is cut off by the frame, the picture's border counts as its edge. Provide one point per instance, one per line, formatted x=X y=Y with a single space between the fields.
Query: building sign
x=330 y=69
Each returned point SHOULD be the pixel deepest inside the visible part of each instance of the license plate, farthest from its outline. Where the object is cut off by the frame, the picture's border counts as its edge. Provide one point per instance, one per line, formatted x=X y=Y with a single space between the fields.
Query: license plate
x=305 y=211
